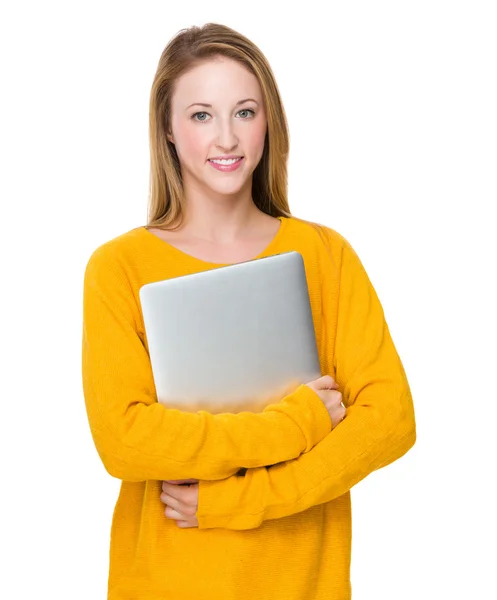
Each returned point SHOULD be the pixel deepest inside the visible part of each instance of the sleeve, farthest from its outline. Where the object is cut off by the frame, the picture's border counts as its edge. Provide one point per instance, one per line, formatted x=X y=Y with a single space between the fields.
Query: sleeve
x=379 y=426
x=138 y=438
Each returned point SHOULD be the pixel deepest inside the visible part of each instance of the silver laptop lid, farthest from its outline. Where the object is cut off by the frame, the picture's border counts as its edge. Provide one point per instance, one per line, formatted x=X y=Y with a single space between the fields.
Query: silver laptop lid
x=231 y=338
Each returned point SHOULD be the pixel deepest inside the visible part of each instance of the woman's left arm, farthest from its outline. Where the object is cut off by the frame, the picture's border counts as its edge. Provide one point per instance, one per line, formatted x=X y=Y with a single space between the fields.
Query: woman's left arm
x=378 y=429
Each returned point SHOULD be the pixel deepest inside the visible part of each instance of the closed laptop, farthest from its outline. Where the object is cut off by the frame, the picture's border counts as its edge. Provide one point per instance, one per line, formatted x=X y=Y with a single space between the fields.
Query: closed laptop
x=232 y=338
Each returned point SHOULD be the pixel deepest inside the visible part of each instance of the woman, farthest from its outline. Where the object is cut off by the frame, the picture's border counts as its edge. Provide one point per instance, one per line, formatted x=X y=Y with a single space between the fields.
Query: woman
x=266 y=512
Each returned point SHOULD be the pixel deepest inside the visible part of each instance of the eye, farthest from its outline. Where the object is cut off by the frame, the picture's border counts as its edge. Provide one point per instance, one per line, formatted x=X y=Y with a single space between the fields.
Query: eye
x=244 y=110
x=247 y=110
x=198 y=113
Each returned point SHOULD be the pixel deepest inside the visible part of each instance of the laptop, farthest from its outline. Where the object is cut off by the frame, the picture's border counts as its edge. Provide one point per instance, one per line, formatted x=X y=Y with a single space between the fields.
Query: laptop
x=233 y=338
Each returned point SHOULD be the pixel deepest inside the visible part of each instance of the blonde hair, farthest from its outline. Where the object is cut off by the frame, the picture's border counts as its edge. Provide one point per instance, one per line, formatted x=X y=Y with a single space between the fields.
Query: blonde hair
x=185 y=51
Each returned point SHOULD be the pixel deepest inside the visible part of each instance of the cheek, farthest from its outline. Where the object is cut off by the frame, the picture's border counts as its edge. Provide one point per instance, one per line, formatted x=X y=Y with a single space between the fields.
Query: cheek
x=192 y=143
x=257 y=139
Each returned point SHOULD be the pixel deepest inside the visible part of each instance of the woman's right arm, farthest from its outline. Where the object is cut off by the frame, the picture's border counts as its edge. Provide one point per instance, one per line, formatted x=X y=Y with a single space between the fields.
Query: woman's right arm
x=138 y=438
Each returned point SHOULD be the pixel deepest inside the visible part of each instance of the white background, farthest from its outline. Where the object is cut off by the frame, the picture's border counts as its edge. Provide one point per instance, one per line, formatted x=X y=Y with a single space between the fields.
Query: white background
x=393 y=122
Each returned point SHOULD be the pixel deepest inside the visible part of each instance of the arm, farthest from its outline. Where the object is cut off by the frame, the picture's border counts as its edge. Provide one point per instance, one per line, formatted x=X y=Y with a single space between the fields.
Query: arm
x=138 y=438
x=378 y=429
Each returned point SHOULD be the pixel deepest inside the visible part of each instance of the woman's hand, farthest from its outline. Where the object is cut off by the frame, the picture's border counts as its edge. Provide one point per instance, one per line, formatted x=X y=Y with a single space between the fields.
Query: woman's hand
x=327 y=389
x=181 y=498
x=181 y=495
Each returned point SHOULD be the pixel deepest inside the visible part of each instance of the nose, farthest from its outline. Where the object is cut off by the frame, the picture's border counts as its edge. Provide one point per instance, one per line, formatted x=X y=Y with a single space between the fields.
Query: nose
x=227 y=138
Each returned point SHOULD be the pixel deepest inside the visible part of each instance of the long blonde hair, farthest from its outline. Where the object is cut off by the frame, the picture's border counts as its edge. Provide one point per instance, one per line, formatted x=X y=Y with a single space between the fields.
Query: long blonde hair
x=184 y=51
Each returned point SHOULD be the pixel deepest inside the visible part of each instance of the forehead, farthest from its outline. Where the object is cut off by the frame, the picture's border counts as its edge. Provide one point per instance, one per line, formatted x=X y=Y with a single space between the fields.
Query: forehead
x=215 y=80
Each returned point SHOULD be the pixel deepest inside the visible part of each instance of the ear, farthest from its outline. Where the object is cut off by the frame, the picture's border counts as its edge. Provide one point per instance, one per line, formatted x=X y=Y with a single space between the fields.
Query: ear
x=170 y=137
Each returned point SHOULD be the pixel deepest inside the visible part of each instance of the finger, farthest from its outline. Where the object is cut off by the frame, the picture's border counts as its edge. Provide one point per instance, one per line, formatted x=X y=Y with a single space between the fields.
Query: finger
x=174 y=514
x=170 y=489
x=188 y=509
x=172 y=502
x=181 y=481
x=328 y=385
x=185 y=495
x=187 y=524
x=176 y=491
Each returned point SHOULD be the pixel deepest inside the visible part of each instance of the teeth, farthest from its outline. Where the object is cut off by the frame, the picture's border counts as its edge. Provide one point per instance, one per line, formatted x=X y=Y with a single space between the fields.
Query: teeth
x=230 y=161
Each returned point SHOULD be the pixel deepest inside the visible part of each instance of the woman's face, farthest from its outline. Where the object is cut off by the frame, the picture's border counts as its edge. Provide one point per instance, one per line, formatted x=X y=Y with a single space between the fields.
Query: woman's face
x=226 y=127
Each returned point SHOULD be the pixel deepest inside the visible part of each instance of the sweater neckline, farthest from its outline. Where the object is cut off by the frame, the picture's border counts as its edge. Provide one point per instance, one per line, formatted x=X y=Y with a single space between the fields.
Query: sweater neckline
x=269 y=249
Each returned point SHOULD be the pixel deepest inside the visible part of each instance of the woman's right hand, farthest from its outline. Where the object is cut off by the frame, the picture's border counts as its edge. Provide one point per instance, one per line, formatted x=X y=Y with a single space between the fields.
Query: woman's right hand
x=327 y=389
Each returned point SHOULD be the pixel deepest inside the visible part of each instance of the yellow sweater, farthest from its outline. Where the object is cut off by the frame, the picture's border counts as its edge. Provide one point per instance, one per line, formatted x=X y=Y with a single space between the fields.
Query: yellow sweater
x=281 y=529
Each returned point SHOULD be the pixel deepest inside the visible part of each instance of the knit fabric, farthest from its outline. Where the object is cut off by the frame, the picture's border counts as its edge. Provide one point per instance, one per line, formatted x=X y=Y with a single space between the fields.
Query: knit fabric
x=274 y=506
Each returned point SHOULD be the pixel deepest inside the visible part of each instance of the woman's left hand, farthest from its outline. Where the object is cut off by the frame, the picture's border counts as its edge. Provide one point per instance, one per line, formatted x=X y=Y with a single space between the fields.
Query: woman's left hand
x=181 y=501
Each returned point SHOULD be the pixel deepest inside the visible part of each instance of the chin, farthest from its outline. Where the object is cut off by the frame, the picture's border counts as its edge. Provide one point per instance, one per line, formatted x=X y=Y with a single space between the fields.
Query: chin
x=228 y=187
x=231 y=191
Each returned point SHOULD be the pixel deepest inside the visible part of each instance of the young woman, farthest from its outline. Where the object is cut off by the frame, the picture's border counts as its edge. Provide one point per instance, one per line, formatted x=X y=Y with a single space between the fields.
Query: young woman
x=266 y=513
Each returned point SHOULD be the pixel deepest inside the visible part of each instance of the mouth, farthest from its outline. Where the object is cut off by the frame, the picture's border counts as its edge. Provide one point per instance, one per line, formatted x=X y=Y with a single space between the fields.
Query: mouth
x=226 y=165
x=226 y=161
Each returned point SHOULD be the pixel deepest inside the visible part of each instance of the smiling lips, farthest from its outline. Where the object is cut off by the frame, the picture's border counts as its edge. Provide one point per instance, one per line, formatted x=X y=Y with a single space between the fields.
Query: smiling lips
x=230 y=164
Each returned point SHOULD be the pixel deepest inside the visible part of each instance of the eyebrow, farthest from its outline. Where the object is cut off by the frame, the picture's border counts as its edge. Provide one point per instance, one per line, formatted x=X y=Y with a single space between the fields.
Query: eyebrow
x=210 y=105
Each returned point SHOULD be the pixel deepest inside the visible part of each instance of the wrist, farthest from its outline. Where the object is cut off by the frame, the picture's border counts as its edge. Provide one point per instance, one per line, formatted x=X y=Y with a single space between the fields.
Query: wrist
x=307 y=410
